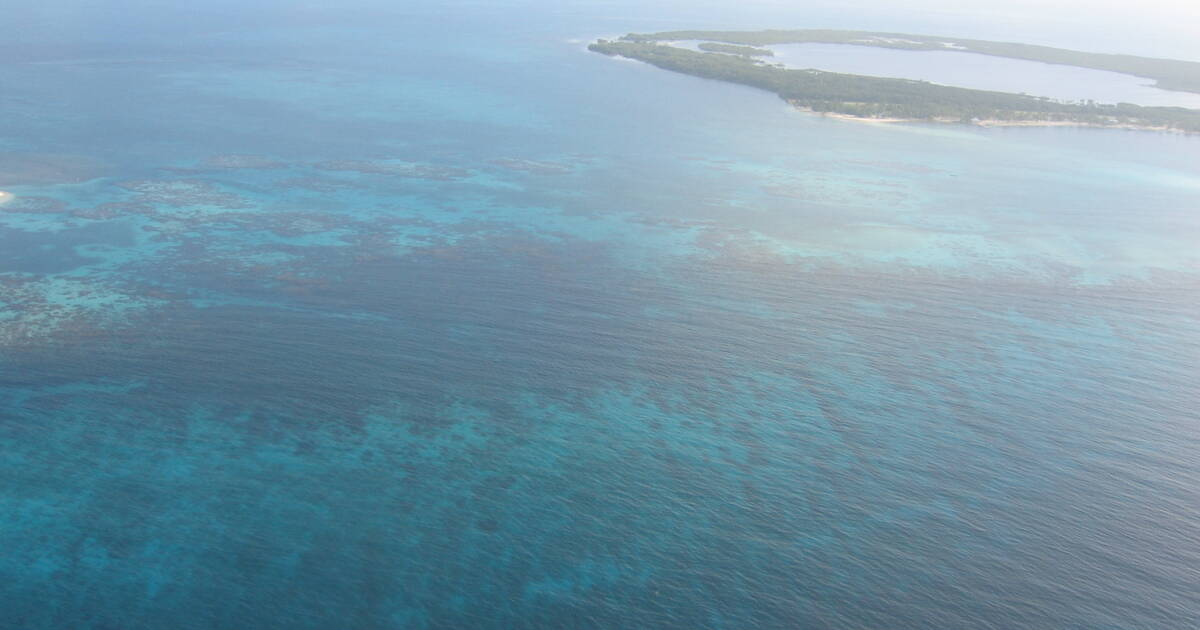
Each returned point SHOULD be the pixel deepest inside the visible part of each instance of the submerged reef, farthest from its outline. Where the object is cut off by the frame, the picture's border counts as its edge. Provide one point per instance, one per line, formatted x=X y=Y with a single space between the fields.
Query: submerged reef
x=34 y=205
x=413 y=170
x=183 y=193
x=254 y=162
x=32 y=168
x=37 y=309
x=534 y=167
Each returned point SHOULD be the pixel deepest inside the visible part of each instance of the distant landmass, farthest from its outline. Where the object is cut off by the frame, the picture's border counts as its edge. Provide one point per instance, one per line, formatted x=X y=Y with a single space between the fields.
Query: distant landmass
x=736 y=56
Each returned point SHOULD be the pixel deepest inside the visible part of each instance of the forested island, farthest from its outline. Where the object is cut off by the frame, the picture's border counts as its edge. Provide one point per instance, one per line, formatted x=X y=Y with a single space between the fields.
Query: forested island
x=1168 y=74
x=904 y=99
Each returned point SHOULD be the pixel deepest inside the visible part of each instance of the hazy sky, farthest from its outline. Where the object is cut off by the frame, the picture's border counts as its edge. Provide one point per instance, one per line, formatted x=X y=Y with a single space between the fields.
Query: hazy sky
x=1153 y=27
x=1166 y=28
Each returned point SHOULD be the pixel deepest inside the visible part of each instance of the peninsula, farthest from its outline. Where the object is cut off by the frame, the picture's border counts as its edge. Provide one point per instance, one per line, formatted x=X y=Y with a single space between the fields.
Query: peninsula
x=891 y=99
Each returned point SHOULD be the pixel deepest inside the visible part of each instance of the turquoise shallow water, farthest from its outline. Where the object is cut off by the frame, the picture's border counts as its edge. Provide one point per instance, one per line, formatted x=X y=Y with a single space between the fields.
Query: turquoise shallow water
x=407 y=317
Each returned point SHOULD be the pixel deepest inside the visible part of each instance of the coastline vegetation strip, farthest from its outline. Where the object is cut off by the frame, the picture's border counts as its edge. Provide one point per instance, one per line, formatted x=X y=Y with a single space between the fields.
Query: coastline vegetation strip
x=733 y=49
x=889 y=98
x=1168 y=74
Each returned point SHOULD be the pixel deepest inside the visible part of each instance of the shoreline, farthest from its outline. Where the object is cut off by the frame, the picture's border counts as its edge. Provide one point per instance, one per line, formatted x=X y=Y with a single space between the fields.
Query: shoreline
x=990 y=123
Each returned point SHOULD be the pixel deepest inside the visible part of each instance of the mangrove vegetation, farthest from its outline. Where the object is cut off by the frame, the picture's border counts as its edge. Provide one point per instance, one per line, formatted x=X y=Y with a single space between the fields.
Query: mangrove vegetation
x=734 y=49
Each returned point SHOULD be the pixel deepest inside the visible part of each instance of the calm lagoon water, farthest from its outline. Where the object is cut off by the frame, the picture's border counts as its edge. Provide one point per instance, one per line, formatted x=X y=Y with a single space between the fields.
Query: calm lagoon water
x=408 y=317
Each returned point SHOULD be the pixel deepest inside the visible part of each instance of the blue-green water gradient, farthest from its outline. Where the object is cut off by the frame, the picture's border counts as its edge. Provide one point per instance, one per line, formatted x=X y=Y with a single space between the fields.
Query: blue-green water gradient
x=411 y=315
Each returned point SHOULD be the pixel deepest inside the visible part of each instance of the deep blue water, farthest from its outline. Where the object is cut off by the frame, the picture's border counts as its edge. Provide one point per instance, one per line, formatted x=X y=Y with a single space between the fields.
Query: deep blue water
x=371 y=316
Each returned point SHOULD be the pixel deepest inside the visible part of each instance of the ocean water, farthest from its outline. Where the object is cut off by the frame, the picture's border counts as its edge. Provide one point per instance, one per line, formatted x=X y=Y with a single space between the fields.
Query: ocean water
x=389 y=316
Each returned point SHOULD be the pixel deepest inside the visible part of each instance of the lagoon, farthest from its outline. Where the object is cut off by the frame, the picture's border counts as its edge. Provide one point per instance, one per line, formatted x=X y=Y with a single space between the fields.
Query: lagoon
x=982 y=72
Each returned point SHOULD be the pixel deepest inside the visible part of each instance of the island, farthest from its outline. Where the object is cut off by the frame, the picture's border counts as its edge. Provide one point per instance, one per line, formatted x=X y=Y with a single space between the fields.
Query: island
x=892 y=99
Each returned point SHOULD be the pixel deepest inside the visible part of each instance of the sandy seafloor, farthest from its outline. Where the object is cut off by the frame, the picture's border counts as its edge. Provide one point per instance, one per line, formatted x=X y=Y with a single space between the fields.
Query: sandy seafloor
x=408 y=317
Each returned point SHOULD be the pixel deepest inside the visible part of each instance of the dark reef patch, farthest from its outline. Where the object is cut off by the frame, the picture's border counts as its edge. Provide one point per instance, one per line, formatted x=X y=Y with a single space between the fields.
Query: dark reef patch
x=57 y=252
x=253 y=162
x=48 y=169
x=432 y=172
x=35 y=205
x=181 y=193
x=533 y=167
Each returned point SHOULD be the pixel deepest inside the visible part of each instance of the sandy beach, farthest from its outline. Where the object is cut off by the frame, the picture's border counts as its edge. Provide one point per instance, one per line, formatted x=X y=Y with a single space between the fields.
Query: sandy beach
x=990 y=122
x=1071 y=123
x=867 y=119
